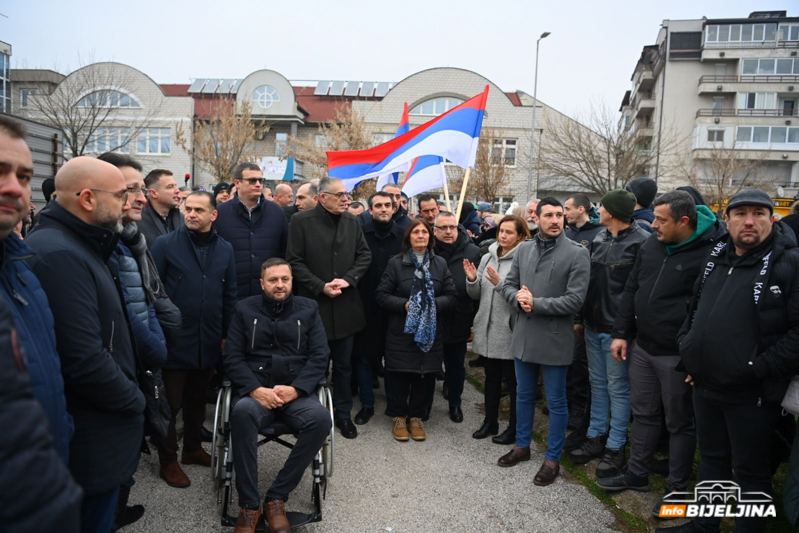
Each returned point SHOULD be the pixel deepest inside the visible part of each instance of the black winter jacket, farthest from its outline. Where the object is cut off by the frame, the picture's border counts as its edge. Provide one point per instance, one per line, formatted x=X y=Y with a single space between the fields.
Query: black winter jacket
x=585 y=234
x=95 y=344
x=457 y=323
x=612 y=260
x=276 y=343
x=255 y=238
x=726 y=352
x=36 y=491
x=655 y=301
x=383 y=247
x=402 y=353
x=152 y=225
x=201 y=282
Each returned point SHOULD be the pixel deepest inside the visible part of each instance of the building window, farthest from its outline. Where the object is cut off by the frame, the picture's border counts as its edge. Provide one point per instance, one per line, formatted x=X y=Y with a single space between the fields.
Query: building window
x=757 y=100
x=320 y=141
x=685 y=45
x=5 y=83
x=281 y=144
x=24 y=96
x=504 y=152
x=766 y=66
x=436 y=106
x=765 y=134
x=721 y=34
x=715 y=136
x=381 y=138
x=108 y=140
x=264 y=96
x=108 y=98
x=155 y=141
x=789 y=32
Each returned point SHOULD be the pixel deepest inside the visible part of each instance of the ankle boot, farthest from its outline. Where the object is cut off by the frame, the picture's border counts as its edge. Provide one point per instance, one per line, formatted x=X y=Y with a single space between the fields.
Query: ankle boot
x=488 y=428
x=506 y=437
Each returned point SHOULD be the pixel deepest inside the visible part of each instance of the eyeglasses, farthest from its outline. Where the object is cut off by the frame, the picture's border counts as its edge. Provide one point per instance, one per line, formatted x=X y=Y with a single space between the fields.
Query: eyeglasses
x=254 y=181
x=338 y=195
x=136 y=191
x=121 y=195
x=447 y=228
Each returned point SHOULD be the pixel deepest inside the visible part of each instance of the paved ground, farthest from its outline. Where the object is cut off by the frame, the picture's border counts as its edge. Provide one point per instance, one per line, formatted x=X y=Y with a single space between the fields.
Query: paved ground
x=450 y=482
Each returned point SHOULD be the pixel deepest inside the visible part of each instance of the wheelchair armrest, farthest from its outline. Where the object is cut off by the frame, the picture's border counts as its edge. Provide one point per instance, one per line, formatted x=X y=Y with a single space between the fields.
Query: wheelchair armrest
x=226 y=382
x=322 y=383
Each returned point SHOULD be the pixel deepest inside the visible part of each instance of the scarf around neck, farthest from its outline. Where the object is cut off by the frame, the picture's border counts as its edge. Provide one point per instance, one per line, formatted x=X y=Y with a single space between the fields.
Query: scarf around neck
x=421 y=319
x=135 y=241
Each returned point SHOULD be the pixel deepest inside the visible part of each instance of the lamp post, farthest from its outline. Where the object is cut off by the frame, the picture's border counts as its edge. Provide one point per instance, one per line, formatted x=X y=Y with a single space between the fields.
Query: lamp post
x=535 y=106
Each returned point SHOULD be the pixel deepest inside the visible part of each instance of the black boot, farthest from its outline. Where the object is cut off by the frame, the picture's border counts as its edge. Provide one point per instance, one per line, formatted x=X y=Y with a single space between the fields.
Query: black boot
x=125 y=514
x=488 y=428
x=506 y=437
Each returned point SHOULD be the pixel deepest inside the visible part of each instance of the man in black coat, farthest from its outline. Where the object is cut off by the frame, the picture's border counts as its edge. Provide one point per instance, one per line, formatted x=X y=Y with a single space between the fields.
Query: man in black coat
x=329 y=255
x=652 y=309
x=275 y=357
x=255 y=227
x=162 y=215
x=740 y=347
x=73 y=242
x=384 y=238
x=36 y=491
x=399 y=213
x=198 y=270
x=454 y=245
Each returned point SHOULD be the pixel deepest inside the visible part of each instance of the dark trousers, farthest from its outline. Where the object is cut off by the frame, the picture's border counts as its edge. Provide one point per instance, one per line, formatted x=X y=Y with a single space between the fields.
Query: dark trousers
x=734 y=437
x=409 y=393
x=97 y=512
x=656 y=387
x=578 y=388
x=186 y=390
x=341 y=355
x=497 y=370
x=367 y=354
x=454 y=374
x=305 y=415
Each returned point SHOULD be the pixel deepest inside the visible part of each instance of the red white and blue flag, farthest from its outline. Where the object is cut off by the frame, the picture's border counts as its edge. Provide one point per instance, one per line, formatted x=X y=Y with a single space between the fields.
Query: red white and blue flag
x=404 y=127
x=426 y=173
x=453 y=135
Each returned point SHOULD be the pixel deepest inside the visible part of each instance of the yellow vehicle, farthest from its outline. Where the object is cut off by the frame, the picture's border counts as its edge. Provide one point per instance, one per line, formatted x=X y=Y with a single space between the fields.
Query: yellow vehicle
x=782 y=206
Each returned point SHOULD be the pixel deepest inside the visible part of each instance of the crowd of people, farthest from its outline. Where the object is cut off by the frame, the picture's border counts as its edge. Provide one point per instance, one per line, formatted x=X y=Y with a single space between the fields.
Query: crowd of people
x=126 y=298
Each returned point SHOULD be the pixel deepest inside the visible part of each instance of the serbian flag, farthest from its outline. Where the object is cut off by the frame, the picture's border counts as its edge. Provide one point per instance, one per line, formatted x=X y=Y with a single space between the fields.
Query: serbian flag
x=427 y=173
x=404 y=127
x=453 y=135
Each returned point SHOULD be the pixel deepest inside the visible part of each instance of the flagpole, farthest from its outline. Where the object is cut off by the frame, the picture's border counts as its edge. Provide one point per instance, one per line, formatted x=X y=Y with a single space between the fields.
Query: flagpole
x=463 y=192
x=446 y=194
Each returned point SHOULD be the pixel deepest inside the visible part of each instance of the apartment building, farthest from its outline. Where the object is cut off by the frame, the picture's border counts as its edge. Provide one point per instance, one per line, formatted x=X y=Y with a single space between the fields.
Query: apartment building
x=710 y=87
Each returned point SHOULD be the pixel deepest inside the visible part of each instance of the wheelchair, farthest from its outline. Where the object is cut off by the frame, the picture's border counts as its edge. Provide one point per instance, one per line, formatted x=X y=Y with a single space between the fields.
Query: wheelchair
x=222 y=457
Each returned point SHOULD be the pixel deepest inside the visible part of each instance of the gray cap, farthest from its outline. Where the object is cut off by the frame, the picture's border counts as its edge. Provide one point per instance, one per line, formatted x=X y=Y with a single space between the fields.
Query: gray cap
x=751 y=197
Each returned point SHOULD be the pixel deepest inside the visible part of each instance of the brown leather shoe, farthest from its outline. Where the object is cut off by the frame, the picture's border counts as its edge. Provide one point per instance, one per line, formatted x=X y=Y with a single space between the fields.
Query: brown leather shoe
x=174 y=476
x=276 y=517
x=417 y=429
x=248 y=520
x=199 y=457
x=547 y=474
x=513 y=457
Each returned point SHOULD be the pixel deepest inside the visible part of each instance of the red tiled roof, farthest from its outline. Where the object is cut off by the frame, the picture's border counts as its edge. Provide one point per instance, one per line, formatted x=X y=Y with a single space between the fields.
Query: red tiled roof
x=319 y=108
x=514 y=99
x=176 y=89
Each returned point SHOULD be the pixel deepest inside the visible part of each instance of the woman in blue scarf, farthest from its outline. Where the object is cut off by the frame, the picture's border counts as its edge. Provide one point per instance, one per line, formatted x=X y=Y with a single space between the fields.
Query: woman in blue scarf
x=416 y=289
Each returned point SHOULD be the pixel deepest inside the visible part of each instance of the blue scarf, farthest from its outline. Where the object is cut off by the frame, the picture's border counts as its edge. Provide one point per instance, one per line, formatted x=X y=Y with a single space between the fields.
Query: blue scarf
x=421 y=319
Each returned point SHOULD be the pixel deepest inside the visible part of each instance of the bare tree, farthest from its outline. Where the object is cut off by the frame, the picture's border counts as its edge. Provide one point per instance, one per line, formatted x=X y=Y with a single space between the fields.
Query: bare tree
x=720 y=172
x=223 y=138
x=346 y=131
x=95 y=108
x=487 y=180
x=595 y=153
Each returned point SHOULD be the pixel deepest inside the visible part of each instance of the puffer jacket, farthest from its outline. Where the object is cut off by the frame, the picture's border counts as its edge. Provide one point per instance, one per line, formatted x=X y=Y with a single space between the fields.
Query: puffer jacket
x=612 y=260
x=130 y=277
x=276 y=343
x=402 y=353
x=492 y=331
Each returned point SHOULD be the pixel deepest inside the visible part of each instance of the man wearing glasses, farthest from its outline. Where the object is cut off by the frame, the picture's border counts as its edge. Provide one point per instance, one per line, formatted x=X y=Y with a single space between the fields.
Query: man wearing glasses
x=162 y=216
x=455 y=246
x=329 y=255
x=256 y=228
x=73 y=242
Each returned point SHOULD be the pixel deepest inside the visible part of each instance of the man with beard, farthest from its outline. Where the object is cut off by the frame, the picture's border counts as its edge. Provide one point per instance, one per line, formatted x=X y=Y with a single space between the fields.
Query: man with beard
x=73 y=241
x=281 y=335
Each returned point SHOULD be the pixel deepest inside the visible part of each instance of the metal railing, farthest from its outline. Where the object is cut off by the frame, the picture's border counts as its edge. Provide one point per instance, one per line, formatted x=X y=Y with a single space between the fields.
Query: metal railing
x=753 y=78
x=747 y=113
x=752 y=44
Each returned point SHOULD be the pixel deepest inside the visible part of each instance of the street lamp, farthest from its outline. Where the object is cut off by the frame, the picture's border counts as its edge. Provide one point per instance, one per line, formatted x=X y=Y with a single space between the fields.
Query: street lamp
x=535 y=106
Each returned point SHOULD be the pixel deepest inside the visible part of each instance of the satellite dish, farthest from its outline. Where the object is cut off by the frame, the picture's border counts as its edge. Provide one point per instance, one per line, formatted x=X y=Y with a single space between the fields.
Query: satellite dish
x=780 y=191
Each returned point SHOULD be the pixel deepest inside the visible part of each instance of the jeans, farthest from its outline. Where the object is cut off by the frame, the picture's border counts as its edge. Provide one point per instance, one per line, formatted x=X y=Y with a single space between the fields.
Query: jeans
x=610 y=390
x=555 y=388
x=734 y=437
x=341 y=355
x=496 y=369
x=409 y=393
x=654 y=383
x=97 y=512
x=186 y=390
x=305 y=415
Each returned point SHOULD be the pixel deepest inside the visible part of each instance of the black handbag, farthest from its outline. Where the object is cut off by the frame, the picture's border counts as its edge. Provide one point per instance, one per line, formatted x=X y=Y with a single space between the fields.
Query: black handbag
x=156 y=411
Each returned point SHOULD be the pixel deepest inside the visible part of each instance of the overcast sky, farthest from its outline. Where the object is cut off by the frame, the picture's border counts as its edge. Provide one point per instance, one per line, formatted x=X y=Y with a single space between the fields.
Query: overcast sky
x=589 y=56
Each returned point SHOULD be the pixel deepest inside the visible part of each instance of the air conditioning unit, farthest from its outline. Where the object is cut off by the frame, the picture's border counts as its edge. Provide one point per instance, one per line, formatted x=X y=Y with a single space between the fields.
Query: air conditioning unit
x=722 y=54
x=716 y=121
x=719 y=87
x=790 y=87
x=793 y=54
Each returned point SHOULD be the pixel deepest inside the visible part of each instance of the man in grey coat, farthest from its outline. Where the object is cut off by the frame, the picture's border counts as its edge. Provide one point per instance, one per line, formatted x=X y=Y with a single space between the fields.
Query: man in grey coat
x=546 y=286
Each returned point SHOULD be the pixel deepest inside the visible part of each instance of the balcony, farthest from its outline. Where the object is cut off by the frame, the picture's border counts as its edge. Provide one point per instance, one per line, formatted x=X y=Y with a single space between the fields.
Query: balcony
x=779 y=83
x=763 y=78
x=747 y=113
x=644 y=80
x=752 y=44
x=643 y=104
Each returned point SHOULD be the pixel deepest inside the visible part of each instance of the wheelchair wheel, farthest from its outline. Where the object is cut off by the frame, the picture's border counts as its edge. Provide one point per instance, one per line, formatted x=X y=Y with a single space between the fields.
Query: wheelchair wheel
x=326 y=399
x=221 y=435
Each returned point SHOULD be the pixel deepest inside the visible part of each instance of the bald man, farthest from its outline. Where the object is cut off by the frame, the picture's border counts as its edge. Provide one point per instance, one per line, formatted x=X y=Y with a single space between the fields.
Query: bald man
x=73 y=242
x=284 y=196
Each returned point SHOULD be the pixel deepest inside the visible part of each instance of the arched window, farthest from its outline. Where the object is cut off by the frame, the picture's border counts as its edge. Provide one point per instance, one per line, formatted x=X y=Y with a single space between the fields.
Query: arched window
x=108 y=98
x=264 y=96
x=436 y=106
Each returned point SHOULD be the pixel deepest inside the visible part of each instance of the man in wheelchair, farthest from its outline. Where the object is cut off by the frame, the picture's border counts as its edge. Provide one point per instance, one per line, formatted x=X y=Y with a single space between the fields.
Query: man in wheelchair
x=275 y=357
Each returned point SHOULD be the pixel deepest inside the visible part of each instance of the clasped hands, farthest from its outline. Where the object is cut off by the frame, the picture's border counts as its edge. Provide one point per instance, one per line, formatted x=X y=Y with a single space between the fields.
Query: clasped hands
x=525 y=299
x=334 y=288
x=274 y=397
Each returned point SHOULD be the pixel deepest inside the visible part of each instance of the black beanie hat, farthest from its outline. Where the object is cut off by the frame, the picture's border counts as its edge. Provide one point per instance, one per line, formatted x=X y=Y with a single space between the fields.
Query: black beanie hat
x=644 y=189
x=697 y=196
x=48 y=188
x=620 y=204
x=219 y=187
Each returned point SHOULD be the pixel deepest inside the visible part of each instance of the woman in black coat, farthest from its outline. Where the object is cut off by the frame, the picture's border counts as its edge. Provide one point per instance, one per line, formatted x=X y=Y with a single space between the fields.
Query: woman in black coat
x=415 y=290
